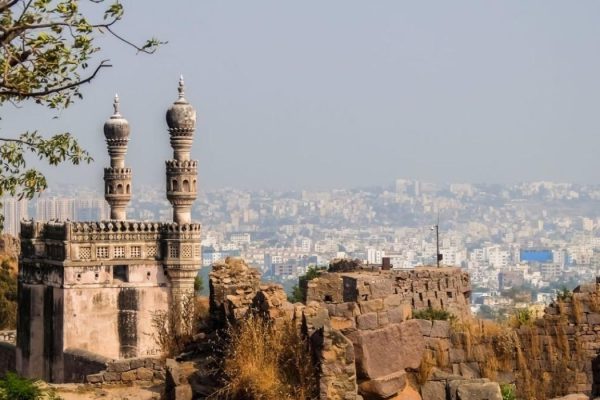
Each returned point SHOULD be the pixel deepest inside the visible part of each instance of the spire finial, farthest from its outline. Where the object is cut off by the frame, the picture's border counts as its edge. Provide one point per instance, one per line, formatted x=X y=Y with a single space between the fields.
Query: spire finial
x=116 y=104
x=181 y=88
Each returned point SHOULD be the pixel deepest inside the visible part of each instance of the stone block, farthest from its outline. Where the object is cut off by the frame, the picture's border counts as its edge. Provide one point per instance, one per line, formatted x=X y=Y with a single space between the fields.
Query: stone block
x=383 y=387
x=145 y=374
x=388 y=350
x=119 y=366
x=440 y=329
x=137 y=363
x=455 y=384
x=112 y=376
x=370 y=306
x=479 y=391
x=470 y=370
x=173 y=372
x=182 y=392
x=400 y=313
x=407 y=394
x=343 y=324
x=393 y=301
x=433 y=391
x=457 y=355
x=425 y=326
x=382 y=318
x=367 y=321
x=593 y=318
x=95 y=378
x=128 y=376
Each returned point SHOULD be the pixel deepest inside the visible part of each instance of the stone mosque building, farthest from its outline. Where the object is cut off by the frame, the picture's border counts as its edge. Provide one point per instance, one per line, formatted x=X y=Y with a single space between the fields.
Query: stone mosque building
x=95 y=286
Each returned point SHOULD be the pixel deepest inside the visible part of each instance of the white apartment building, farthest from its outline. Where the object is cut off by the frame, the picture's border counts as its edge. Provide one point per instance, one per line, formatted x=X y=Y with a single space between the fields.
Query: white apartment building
x=497 y=257
x=374 y=256
x=14 y=211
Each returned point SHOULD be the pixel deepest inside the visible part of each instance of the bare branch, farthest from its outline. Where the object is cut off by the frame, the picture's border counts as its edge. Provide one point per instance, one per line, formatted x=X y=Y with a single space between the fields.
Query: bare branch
x=129 y=43
x=18 y=141
x=103 y=64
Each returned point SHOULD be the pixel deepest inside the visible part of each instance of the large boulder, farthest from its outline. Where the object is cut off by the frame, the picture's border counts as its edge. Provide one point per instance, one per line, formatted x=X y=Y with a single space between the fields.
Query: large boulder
x=388 y=350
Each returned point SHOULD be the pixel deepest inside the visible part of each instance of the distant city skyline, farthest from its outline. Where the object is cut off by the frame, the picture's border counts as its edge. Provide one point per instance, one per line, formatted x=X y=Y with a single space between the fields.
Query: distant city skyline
x=349 y=94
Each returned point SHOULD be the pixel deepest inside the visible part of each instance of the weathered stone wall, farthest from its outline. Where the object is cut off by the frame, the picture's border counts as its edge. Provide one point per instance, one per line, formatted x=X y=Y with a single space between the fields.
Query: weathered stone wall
x=563 y=346
x=233 y=286
x=7 y=357
x=439 y=288
x=82 y=366
x=130 y=370
x=360 y=328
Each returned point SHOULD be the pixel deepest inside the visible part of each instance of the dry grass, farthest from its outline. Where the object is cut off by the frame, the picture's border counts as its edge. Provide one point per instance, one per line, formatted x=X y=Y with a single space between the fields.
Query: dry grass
x=428 y=362
x=578 y=309
x=441 y=355
x=264 y=362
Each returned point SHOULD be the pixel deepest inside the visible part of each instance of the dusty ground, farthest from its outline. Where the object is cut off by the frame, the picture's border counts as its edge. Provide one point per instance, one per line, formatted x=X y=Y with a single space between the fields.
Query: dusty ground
x=81 y=392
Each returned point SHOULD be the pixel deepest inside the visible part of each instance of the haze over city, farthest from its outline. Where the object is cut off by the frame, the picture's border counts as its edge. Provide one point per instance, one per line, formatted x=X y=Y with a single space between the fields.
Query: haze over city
x=341 y=94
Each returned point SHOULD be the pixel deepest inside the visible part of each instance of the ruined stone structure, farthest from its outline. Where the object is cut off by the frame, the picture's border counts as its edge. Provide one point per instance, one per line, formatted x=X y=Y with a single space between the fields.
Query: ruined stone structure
x=94 y=286
x=358 y=321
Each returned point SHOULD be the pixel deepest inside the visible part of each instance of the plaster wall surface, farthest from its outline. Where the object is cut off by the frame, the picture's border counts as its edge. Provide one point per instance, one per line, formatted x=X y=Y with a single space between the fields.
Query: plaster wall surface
x=92 y=319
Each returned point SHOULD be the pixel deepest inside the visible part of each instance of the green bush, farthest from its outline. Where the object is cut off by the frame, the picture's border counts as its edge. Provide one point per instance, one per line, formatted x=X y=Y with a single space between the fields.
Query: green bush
x=564 y=294
x=522 y=317
x=433 y=314
x=13 y=387
x=508 y=391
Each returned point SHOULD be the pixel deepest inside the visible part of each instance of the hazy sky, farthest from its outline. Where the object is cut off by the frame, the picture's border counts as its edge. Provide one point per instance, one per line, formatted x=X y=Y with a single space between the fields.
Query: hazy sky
x=320 y=94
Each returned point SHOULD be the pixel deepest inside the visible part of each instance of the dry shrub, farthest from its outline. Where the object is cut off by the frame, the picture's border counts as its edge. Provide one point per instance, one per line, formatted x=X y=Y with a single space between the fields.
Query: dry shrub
x=174 y=328
x=441 y=355
x=267 y=362
x=428 y=362
x=594 y=302
x=578 y=309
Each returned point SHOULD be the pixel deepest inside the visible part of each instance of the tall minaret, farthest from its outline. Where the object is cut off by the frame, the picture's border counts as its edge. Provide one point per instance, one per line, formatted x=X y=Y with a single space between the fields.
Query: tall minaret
x=181 y=171
x=117 y=178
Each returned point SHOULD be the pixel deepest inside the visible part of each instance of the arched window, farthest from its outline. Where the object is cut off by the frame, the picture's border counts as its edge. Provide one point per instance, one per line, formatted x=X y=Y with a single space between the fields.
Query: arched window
x=128 y=189
x=119 y=189
x=175 y=185
x=186 y=185
x=109 y=189
x=194 y=187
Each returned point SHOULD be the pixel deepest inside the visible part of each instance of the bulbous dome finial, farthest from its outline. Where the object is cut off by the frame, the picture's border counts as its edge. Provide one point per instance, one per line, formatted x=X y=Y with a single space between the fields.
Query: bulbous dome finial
x=181 y=116
x=116 y=127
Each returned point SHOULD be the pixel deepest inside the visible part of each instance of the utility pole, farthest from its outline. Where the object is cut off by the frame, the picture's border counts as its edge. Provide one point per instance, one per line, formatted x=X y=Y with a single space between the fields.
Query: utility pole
x=438 y=256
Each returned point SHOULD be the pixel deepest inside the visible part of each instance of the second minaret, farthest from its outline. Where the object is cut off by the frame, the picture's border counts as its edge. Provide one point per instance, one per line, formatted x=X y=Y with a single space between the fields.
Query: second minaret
x=181 y=171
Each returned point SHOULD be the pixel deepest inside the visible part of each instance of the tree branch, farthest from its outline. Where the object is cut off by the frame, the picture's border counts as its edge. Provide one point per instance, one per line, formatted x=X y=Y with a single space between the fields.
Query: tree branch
x=128 y=42
x=5 y=5
x=103 y=64
x=31 y=144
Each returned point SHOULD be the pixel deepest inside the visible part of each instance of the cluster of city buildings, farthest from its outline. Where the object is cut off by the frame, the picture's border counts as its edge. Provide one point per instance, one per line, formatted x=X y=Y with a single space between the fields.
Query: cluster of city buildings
x=534 y=235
